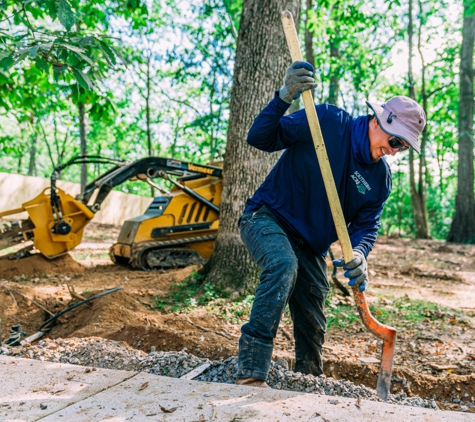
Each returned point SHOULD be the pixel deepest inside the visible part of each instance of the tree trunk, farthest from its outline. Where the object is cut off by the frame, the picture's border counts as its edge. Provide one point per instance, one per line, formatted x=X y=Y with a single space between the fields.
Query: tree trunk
x=297 y=104
x=399 y=201
x=309 y=55
x=262 y=56
x=149 y=130
x=334 y=86
x=417 y=196
x=462 y=229
x=335 y=57
x=423 y=176
x=33 y=151
x=83 y=148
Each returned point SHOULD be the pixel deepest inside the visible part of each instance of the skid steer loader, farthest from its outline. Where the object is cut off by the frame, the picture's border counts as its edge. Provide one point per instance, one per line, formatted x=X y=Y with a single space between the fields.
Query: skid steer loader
x=178 y=229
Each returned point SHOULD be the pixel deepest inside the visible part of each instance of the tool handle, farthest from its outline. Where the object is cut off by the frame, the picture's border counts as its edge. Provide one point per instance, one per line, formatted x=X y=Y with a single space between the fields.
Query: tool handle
x=292 y=40
x=332 y=194
x=387 y=334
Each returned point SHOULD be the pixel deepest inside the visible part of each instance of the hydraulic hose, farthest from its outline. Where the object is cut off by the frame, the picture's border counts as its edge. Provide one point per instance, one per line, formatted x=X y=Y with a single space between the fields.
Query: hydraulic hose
x=76 y=305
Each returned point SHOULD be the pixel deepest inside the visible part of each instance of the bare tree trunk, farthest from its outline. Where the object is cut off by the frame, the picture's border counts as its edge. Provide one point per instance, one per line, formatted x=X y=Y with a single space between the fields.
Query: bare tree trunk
x=297 y=104
x=147 y=108
x=48 y=146
x=309 y=55
x=33 y=148
x=335 y=56
x=334 y=87
x=440 y=160
x=33 y=151
x=399 y=201
x=425 y=99
x=462 y=229
x=20 y=158
x=83 y=144
x=212 y=140
x=261 y=59
x=417 y=196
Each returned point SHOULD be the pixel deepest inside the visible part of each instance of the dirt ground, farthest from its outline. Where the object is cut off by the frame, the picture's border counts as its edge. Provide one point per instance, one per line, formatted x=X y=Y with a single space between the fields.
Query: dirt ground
x=435 y=357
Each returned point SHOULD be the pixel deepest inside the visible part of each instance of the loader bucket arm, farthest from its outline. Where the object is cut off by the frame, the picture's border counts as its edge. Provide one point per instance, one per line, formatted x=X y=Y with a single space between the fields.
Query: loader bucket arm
x=150 y=167
x=57 y=220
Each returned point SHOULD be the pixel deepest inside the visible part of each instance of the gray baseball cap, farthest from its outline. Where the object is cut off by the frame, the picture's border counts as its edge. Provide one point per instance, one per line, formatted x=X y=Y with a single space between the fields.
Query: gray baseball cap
x=402 y=117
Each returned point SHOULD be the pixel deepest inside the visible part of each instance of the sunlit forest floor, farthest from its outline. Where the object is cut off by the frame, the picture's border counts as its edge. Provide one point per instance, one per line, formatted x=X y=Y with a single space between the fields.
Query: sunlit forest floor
x=425 y=289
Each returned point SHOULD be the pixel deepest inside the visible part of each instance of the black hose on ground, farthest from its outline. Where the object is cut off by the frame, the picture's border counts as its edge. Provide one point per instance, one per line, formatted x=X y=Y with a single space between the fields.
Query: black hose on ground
x=76 y=305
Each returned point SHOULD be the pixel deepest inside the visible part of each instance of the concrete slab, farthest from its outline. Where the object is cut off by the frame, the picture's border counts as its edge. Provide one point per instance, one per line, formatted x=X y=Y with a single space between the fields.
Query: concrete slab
x=121 y=396
x=27 y=386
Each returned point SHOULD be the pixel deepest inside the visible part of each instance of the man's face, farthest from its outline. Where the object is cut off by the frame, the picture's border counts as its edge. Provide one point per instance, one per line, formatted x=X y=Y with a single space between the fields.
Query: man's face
x=379 y=141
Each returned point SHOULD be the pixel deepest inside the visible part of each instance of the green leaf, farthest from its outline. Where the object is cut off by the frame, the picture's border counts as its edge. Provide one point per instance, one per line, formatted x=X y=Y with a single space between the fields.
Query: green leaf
x=42 y=64
x=108 y=53
x=85 y=58
x=119 y=55
x=74 y=48
x=34 y=51
x=7 y=62
x=65 y=14
x=82 y=79
x=60 y=69
x=52 y=9
x=73 y=59
x=87 y=40
x=63 y=54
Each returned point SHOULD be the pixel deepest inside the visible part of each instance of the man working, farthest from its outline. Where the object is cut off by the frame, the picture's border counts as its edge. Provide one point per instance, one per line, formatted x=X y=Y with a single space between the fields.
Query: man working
x=287 y=225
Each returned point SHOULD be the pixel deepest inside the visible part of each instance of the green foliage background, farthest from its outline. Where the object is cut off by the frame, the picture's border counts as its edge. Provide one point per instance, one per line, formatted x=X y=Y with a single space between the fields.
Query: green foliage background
x=164 y=69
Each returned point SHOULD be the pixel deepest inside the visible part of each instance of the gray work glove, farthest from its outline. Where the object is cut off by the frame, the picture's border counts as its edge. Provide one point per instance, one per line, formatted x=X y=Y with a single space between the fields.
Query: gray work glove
x=357 y=270
x=298 y=78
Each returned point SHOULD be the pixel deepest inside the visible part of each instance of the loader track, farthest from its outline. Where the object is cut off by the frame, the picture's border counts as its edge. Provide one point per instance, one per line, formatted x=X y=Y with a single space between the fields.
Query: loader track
x=167 y=254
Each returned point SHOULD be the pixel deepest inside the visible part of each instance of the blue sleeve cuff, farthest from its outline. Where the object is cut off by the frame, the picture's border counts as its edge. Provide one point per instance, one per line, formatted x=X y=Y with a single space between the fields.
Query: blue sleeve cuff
x=364 y=251
x=280 y=103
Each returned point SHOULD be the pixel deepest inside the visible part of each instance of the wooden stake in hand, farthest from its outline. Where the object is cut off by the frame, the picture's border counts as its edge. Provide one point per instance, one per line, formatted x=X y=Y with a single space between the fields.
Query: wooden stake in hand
x=386 y=333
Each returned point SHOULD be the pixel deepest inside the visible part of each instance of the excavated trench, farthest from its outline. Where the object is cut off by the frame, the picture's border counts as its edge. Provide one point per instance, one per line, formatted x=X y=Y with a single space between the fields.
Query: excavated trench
x=128 y=316
x=451 y=392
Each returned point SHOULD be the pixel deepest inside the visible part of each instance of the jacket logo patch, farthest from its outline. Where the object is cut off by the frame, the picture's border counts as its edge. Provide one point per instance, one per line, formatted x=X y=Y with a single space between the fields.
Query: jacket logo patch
x=361 y=189
x=361 y=184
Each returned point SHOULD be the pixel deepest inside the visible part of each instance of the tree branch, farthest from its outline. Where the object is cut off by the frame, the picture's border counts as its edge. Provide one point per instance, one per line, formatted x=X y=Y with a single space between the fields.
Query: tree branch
x=437 y=90
x=47 y=143
x=184 y=102
x=30 y=27
x=11 y=16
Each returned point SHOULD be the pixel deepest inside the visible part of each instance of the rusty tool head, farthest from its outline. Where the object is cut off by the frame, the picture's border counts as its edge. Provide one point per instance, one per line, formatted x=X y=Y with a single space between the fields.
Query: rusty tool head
x=385 y=333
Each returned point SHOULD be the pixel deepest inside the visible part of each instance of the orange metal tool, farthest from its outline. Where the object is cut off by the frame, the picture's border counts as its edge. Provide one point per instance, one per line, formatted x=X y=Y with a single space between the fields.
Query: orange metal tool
x=384 y=332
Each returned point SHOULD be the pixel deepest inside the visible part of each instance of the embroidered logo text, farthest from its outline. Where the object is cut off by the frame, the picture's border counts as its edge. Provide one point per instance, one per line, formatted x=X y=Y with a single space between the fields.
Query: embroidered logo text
x=361 y=184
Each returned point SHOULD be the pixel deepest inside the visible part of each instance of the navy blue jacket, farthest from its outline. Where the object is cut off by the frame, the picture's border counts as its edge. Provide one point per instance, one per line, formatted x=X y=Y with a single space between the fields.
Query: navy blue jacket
x=294 y=191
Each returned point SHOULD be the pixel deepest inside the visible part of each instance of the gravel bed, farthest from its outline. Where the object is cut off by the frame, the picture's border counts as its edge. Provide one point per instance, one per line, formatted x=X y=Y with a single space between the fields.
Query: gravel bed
x=102 y=353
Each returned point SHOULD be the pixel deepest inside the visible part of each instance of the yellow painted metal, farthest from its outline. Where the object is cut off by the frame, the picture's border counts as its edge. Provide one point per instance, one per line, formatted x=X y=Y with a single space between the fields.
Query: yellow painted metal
x=75 y=213
x=11 y=212
x=182 y=210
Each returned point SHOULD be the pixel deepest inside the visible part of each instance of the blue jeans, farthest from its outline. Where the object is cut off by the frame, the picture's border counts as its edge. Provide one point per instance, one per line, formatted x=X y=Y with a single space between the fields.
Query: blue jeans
x=293 y=274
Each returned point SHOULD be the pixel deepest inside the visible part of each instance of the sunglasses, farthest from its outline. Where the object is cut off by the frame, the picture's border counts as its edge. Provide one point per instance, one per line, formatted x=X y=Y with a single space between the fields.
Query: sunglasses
x=396 y=143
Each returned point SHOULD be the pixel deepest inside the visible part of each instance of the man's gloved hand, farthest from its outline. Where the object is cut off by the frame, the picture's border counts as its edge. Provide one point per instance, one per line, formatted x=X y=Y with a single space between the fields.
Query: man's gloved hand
x=357 y=270
x=298 y=78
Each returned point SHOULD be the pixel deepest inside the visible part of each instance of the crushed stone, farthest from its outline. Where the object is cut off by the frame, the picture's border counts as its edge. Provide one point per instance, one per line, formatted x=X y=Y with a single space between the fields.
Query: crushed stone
x=97 y=352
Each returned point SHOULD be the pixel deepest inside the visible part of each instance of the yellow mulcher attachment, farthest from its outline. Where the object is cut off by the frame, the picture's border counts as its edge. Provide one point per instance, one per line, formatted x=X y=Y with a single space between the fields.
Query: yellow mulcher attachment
x=51 y=235
x=178 y=229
